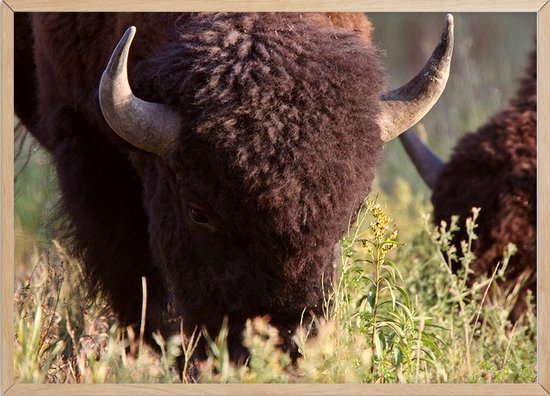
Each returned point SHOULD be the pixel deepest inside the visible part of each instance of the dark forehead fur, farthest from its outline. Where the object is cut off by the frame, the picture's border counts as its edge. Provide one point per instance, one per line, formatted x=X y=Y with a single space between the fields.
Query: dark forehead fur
x=281 y=112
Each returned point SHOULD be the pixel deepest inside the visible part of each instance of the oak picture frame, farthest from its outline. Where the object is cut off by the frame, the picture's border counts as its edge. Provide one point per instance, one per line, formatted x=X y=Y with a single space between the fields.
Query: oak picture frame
x=541 y=7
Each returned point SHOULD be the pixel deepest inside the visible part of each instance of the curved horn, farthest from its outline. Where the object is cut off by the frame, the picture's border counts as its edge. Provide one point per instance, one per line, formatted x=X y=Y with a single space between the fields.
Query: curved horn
x=153 y=127
x=426 y=162
x=405 y=106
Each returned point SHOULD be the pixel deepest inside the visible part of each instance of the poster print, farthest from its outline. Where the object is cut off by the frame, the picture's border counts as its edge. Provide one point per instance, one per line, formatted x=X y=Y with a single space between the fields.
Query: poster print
x=356 y=307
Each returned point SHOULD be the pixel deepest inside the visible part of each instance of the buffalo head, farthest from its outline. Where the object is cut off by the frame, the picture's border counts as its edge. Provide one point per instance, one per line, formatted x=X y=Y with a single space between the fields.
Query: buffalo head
x=259 y=148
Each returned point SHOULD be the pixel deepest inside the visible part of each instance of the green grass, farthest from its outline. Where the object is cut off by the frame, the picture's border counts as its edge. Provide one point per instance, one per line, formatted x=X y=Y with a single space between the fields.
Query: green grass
x=399 y=314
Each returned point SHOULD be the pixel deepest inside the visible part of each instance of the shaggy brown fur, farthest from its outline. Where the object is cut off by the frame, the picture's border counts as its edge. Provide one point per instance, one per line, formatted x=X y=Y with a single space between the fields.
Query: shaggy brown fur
x=279 y=143
x=496 y=169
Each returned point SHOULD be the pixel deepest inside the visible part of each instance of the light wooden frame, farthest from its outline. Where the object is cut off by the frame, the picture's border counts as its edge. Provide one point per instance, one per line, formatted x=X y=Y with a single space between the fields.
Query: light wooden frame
x=541 y=7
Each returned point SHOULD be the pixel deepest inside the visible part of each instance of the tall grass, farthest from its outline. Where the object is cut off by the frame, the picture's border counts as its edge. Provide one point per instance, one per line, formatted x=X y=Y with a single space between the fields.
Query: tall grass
x=397 y=314
x=60 y=337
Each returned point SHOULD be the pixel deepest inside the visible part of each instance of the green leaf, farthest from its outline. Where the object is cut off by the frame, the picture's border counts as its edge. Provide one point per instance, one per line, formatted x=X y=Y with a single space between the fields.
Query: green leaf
x=378 y=342
x=404 y=294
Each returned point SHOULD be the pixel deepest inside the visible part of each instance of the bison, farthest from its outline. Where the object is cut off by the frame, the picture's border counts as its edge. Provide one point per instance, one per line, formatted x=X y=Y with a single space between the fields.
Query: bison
x=220 y=156
x=494 y=168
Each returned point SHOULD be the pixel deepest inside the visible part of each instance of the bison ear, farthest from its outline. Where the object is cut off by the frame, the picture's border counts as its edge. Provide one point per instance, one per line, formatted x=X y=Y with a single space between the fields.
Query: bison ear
x=152 y=127
x=405 y=106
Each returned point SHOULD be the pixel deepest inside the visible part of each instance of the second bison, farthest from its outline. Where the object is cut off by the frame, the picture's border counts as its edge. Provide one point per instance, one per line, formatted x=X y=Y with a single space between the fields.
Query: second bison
x=495 y=169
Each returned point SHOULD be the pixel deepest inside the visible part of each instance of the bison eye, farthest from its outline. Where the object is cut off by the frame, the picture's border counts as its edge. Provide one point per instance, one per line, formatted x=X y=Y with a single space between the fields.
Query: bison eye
x=199 y=217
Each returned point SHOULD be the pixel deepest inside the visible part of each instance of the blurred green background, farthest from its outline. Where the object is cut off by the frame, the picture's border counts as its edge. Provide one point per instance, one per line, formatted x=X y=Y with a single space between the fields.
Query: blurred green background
x=489 y=57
